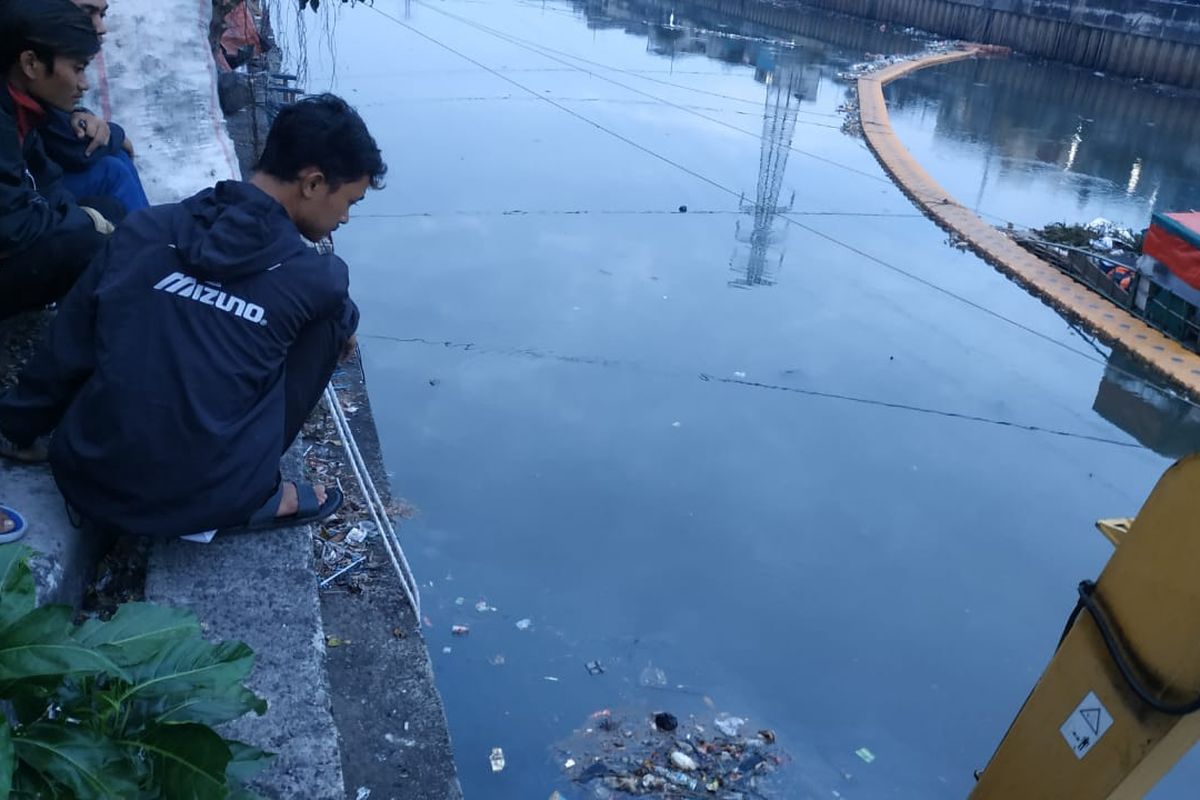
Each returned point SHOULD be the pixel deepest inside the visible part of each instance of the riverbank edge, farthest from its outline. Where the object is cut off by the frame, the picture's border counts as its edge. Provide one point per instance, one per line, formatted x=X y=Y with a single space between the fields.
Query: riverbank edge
x=1163 y=356
x=391 y=729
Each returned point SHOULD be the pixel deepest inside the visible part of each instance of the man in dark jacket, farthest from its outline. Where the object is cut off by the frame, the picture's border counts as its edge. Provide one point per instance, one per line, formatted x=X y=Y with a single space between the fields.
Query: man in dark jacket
x=46 y=237
x=188 y=356
x=96 y=155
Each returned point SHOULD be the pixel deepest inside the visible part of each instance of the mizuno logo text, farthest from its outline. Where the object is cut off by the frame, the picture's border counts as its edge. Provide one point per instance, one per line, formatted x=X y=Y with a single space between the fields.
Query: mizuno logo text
x=186 y=286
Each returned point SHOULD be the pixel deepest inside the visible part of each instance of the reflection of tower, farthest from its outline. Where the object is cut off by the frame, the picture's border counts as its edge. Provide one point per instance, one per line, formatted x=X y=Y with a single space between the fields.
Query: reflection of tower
x=754 y=260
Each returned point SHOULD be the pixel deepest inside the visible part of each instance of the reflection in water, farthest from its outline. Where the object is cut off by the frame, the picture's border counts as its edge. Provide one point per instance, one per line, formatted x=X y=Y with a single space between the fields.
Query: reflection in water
x=787 y=85
x=825 y=38
x=1129 y=399
x=788 y=82
x=791 y=76
x=779 y=125
x=1131 y=140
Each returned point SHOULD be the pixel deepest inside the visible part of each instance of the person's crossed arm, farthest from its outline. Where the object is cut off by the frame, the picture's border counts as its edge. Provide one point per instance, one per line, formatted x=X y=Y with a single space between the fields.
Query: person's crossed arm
x=88 y=126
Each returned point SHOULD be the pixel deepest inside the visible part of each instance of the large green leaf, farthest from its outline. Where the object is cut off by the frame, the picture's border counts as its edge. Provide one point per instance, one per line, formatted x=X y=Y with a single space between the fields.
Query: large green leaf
x=137 y=632
x=29 y=784
x=247 y=761
x=85 y=763
x=189 y=761
x=190 y=666
x=17 y=592
x=7 y=759
x=40 y=644
x=207 y=708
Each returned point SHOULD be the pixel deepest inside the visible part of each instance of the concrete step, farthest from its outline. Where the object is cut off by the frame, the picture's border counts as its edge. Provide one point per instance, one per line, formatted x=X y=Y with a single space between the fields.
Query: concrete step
x=65 y=557
x=261 y=589
x=395 y=740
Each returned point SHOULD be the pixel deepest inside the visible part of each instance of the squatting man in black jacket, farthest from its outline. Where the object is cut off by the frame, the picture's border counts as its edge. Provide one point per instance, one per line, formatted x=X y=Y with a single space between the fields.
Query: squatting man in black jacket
x=185 y=360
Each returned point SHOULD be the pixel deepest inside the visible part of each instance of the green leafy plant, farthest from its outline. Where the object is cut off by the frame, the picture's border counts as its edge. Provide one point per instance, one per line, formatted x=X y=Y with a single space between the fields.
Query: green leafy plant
x=117 y=709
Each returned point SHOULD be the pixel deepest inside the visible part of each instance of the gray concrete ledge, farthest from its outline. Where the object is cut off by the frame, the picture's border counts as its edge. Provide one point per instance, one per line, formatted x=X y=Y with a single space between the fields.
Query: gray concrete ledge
x=65 y=557
x=261 y=589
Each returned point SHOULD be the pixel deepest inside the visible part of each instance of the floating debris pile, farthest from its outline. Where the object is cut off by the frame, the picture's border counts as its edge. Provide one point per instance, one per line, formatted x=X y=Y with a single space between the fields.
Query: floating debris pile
x=1100 y=236
x=851 y=124
x=660 y=756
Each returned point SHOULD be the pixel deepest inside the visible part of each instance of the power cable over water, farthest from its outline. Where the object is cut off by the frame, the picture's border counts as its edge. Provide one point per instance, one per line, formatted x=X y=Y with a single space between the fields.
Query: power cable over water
x=542 y=49
x=536 y=353
x=721 y=187
x=568 y=212
x=544 y=52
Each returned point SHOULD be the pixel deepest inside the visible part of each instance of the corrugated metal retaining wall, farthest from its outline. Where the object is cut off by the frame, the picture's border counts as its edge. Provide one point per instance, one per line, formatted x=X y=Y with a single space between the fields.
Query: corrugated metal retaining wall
x=1158 y=41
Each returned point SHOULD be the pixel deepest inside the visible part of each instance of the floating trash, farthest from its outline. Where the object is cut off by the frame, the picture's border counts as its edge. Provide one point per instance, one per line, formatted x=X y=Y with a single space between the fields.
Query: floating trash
x=730 y=726
x=594 y=668
x=653 y=677
x=497 y=759
x=524 y=624
x=865 y=754
x=683 y=761
x=615 y=753
x=460 y=630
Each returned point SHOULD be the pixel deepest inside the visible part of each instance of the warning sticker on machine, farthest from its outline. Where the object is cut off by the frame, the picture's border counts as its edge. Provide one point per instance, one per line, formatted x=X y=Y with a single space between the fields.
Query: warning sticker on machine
x=1086 y=725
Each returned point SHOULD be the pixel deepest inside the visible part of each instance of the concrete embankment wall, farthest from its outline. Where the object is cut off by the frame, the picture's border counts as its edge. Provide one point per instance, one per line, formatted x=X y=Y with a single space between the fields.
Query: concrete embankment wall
x=1158 y=40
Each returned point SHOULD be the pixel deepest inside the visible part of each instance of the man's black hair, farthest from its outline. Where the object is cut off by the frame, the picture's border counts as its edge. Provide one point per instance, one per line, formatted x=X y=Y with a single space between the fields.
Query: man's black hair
x=50 y=28
x=322 y=131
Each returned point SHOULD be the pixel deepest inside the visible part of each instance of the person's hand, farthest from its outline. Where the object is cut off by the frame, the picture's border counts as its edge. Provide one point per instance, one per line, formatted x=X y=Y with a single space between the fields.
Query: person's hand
x=88 y=126
x=349 y=348
x=127 y=146
x=98 y=219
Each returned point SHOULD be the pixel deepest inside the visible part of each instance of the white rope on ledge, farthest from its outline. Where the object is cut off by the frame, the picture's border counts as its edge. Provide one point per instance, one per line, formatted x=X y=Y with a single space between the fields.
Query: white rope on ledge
x=375 y=505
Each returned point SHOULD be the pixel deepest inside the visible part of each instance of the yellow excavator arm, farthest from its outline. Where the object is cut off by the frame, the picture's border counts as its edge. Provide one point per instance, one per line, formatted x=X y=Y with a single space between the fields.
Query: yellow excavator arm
x=1115 y=708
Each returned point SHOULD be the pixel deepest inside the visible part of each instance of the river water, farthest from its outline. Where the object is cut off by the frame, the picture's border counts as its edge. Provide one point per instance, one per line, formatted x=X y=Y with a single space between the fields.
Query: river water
x=770 y=448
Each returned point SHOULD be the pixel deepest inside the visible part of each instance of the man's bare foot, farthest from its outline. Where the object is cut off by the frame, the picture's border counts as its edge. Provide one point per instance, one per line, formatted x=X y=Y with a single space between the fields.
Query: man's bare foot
x=34 y=454
x=289 y=504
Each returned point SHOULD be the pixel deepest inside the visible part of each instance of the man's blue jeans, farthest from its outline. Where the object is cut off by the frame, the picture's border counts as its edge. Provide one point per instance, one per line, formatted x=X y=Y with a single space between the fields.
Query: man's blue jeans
x=110 y=176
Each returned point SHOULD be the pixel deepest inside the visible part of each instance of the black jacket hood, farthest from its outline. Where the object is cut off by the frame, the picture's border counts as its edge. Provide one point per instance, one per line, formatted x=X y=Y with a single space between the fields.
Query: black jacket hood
x=235 y=230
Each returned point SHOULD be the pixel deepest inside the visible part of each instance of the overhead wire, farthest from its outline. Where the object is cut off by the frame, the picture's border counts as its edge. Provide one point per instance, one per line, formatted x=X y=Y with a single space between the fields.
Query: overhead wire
x=641 y=74
x=541 y=49
x=567 y=212
x=545 y=52
x=721 y=187
x=600 y=361
x=716 y=185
